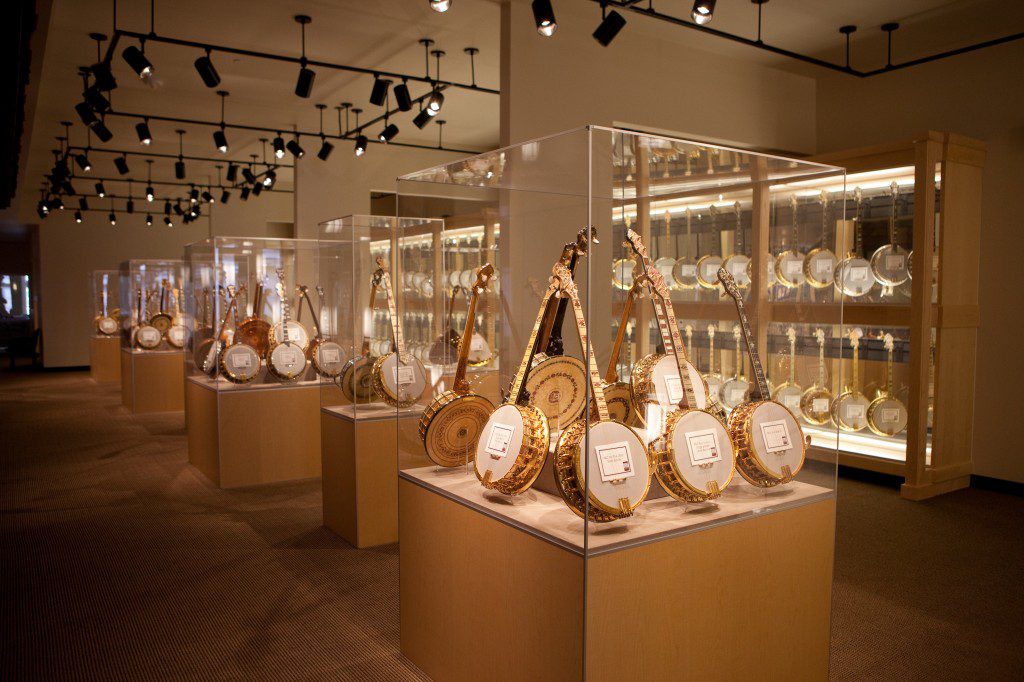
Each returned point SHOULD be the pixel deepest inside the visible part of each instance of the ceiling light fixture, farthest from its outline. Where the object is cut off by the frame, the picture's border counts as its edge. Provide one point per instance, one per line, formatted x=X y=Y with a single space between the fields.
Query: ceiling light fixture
x=544 y=16
x=179 y=165
x=325 y=147
x=244 y=194
x=149 y=181
x=102 y=131
x=269 y=178
x=436 y=99
x=220 y=139
x=142 y=130
x=611 y=23
x=78 y=216
x=279 y=146
x=83 y=204
x=167 y=221
x=361 y=143
x=121 y=163
x=207 y=197
x=136 y=58
x=232 y=174
x=703 y=11
x=83 y=162
x=224 y=196
x=293 y=146
x=440 y=5
x=193 y=194
x=149 y=220
x=304 y=84
x=100 y=190
x=379 y=93
x=402 y=97
x=85 y=113
x=204 y=66
x=388 y=133
x=422 y=119
x=101 y=69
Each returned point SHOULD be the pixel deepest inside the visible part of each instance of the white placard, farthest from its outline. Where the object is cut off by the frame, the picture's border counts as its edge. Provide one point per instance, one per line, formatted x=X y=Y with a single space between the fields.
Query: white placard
x=894 y=262
x=736 y=395
x=615 y=461
x=149 y=335
x=498 y=440
x=890 y=414
x=819 y=404
x=854 y=412
x=794 y=267
x=404 y=375
x=792 y=402
x=289 y=357
x=824 y=265
x=674 y=388
x=776 y=436
x=688 y=270
x=703 y=446
x=709 y=271
x=241 y=361
x=476 y=343
x=329 y=355
x=858 y=274
x=177 y=334
x=736 y=268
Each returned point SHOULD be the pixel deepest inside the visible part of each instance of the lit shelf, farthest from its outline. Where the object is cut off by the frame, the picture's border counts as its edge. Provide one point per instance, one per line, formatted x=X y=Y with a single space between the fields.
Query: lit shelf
x=860 y=444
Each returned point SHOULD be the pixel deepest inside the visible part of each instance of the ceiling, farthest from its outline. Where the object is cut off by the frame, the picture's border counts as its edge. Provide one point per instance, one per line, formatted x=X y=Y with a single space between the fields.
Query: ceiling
x=381 y=34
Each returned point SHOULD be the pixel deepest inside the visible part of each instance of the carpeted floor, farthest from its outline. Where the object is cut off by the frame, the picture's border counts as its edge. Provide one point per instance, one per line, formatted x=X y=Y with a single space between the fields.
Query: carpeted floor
x=121 y=562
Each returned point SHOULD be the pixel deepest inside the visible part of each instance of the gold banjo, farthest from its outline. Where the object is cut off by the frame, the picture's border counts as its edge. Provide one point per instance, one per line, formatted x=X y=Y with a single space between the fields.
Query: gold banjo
x=816 y=401
x=713 y=379
x=106 y=323
x=451 y=425
x=707 y=265
x=820 y=264
x=887 y=415
x=684 y=272
x=238 y=362
x=286 y=359
x=177 y=333
x=297 y=332
x=617 y=394
x=398 y=377
x=327 y=357
x=602 y=469
x=850 y=408
x=147 y=336
x=790 y=392
x=254 y=331
x=738 y=264
x=789 y=265
x=356 y=382
x=207 y=354
x=770 y=444
x=160 y=319
x=734 y=390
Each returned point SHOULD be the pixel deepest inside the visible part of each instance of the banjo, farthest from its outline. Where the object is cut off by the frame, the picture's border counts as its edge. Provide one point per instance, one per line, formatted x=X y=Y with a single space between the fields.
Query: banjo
x=734 y=391
x=398 y=377
x=445 y=349
x=887 y=415
x=853 y=274
x=713 y=379
x=106 y=324
x=147 y=336
x=356 y=383
x=850 y=408
x=820 y=264
x=684 y=272
x=297 y=333
x=816 y=401
x=451 y=425
x=790 y=392
x=770 y=445
x=665 y=264
x=327 y=357
x=239 y=362
x=557 y=382
x=177 y=333
x=160 y=319
x=789 y=265
x=889 y=263
x=207 y=354
x=601 y=467
x=617 y=395
x=286 y=359
x=254 y=331
x=738 y=264
x=707 y=265
x=622 y=269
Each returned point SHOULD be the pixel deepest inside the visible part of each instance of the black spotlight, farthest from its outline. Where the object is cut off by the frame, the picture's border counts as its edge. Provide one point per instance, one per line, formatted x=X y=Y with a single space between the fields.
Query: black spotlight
x=232 y=172
x=121 y=163
x=78 y=216
x=204 y=65
x=177 y=209
x=136 y=59
x=167 y=221
x=149 y=219
x=422 y=119
x=100 y=190
x=83 y=162
x=402 y=98
x=85 y=112
x=102 y=131
x=609 y=28
x=129 y=207
x=207 y=197
x=544 y=15
x=703 y=11
x=224 y=196
x=249 y=177
x=221 y=140
x=304 y=84
x=179 y=169
x=95 y=99
x=388 y=134
x=68 y=188
x=269 y=178
x=83 y=204
x=325 y=149
x=380 y=90
x=150 y=194
x=361 y=142
x=257 y=188
x=435 y=102
x=297 y=151
x=167 y=207
x=244 y=194
x=104 y=77
x=113 y=218
x=142 y=130
x=440 y=5
x=42 y=211
x=193 y=195
x=279 y=146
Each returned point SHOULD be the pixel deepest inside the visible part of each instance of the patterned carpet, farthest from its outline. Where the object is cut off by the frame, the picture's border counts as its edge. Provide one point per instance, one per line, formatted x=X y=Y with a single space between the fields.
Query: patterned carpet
x=121 y=562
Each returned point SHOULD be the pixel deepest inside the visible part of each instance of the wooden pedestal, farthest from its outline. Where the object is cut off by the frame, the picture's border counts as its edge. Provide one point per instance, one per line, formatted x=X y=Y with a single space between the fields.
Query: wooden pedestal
x=105 y=359
x=253 y=436
x=152 y=381
x=485 y=599
x=360 y=471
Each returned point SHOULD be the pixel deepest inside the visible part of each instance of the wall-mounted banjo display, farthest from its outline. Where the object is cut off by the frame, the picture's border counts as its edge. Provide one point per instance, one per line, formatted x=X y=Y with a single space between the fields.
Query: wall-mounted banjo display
x=601 y=469
x=665 y=263
x=789 y=265
x=770 y=446
x=451 y=425
x=146 y=336
x=684 y=272
x=853 y=274
x=177 y=333
x=286 y=359
x=356 y=380
x=850 y=408
x=790 y=392
x=816 y=401
x=890 y=263
x=106 y=321
x=887 y=415
x=398 y=377
x=254 y=331
x=820 y=264
x=738 y=264
x=708 y=264
x=327 y=356
x=734 y=390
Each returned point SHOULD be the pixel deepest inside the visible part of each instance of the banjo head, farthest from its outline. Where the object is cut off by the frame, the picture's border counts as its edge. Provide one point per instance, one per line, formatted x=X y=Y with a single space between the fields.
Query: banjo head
x=738 y=265
x=328 y=358
x=890 y=265
x=512 y=447
x=789 y=396
x=622 y=273
x=451 y=427
x=707 y=271
x=618 y=466
x=400 y=383
x=296 y=334
x=694 y=457
x=816 y=405
x=820 y=268
x=557 y=387
x=356 y=380
x=148 y=337
x=177 y=335
x=619 y=399
x=734 y=392
x=850 y=411
x=666 y=266
x=254 y=333
x=789 y=268
x=106 y=326
x=684 y=273
x=161 y=321
x=466 y=278
x=655 y=381
x=240 y=363
x=853 y=277
x=479 y=351
x=287 y=360
x=769 y=443
x=887 y=416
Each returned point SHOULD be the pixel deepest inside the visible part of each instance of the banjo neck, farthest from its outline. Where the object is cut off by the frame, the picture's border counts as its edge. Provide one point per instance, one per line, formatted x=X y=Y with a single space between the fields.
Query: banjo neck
x=377 y=277
x=791 y=333
x=888 y=364
x=711 y=349
x=760 y=390
x=396 y=324
x=517 y=394
x=286 y=309
x=483 y=275
x=737 y=372
x=568 y=288
x=551 y=340
x=304 y=291
x=795 y=234
x=820 y=335
x=895 y=187
x=163 y=295
x=611 y=376
x=855 y=378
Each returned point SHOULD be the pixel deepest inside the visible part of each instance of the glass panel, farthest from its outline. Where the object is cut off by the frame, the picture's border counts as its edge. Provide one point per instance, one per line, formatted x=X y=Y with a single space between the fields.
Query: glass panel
x=151 y=310
x=106 y=302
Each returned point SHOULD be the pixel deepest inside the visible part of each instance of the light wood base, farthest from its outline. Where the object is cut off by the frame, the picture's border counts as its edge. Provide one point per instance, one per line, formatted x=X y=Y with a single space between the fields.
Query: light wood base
x=240 y=438
x=152 y=382
x=360 y=475
x=105 y=359
x=481 y=599
x=926 y=490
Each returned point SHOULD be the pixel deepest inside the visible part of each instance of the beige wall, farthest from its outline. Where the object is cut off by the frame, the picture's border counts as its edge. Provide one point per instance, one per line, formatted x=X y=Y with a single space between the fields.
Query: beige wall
x=69 y=252
x=980 y=95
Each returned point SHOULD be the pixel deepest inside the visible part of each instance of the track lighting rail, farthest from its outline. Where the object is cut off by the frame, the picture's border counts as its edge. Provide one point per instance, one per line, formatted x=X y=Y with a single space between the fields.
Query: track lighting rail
x=169 y=183
x=157 y=155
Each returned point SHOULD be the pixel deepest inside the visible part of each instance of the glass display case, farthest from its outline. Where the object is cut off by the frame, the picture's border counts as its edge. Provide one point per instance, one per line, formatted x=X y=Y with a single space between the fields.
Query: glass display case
x=151 y=310
x=106 y=302
x=653 y=371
